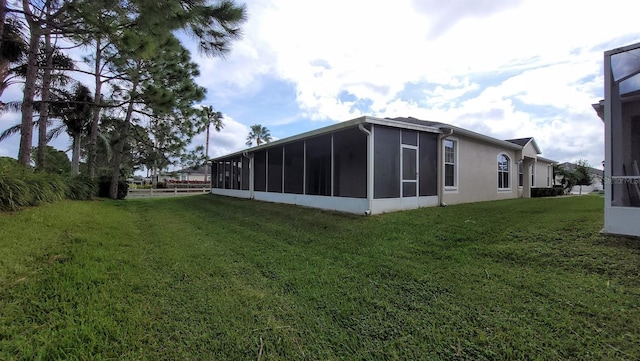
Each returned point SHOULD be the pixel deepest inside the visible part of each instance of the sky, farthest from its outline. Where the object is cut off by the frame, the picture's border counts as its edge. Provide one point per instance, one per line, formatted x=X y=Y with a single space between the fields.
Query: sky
x=503 y=68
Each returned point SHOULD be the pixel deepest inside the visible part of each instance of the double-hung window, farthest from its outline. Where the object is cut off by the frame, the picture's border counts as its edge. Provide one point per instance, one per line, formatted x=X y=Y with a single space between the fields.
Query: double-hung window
x=533 y=174
x=450 y=164
x=520 y=174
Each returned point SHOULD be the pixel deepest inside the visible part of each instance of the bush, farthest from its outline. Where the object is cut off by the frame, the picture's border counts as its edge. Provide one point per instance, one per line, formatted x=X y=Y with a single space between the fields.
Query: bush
x=22 y=187
x=104 y=183
x=81 y=188
x=546 y=192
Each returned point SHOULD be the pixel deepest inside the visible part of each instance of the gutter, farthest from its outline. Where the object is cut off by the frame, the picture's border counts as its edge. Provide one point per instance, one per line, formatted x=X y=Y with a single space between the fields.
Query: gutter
x=369 y=167
x=441 y=139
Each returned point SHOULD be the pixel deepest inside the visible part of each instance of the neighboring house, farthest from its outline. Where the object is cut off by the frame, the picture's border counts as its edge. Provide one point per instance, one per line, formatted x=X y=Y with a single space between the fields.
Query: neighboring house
x=597 y=177
x=620 y=111
x=193 y=174
x=371 y=165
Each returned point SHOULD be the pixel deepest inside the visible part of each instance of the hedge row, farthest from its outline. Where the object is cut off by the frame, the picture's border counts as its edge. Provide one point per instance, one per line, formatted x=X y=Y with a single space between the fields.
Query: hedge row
x=547 y=192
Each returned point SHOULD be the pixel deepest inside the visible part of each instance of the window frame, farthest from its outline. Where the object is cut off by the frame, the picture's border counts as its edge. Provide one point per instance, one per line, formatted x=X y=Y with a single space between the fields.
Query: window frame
x=533 y=174
x=521 y=174
x=456 y=151
x=500 y=172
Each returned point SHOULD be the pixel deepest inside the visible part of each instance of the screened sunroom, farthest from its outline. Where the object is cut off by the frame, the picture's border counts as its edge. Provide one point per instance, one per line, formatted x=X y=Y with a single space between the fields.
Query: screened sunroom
x=366 y=165
x=622 y=140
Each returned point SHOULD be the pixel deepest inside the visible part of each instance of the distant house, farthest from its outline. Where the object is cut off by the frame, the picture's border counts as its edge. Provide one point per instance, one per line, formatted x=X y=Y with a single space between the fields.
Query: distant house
x=188 y=174
x=620 y=111
x=372 y=165
x=597 y=175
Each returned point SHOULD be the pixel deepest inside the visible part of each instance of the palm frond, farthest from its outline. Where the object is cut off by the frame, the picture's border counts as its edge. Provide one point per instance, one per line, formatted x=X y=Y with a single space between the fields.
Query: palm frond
x=9 y=132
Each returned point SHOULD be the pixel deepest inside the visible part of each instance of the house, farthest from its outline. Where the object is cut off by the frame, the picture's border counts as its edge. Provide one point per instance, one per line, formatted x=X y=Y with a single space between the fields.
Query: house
x=373 y=165
x=620 y=111
x=188 y=174
x=597 y=176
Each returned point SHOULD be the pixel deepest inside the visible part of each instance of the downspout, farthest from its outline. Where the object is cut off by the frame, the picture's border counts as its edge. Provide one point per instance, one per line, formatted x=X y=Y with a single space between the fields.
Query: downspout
x=250 y=157
x=441 y=139
x=369 y=167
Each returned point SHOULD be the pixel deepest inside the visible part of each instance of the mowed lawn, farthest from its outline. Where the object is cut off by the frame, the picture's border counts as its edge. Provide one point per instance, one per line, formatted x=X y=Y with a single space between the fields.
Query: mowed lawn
x=216 y=278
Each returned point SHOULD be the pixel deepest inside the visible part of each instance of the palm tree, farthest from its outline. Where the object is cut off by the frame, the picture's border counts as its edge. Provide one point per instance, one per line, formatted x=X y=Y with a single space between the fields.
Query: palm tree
x=258 y=133
x=12 y=50
x=214 y=118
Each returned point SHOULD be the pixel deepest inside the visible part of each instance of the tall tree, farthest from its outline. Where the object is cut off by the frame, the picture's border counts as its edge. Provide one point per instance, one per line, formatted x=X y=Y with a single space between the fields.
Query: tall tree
x=74 y=109
x=259 y=134
x=214 y=118
x=157 y=80
x=41 y=17
x=213 y=25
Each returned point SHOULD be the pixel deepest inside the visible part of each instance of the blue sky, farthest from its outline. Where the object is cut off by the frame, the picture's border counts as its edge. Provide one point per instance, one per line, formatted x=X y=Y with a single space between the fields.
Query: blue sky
x=505 y=68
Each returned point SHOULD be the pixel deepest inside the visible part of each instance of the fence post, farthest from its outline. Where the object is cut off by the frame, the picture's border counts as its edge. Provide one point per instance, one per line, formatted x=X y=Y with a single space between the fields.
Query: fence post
x=175 y=191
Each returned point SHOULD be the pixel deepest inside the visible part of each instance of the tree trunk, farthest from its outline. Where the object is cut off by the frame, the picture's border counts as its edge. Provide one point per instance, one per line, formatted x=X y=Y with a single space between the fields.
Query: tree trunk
x=4 y=63
x=206 y=153
x=3 y=16
x=119 y=146
x=26 y=126
x=75 y=156
x=44 y=106
x=93 y=134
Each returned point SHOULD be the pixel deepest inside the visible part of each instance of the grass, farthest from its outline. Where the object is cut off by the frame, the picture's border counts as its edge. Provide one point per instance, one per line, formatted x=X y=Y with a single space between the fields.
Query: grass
x=208 y=277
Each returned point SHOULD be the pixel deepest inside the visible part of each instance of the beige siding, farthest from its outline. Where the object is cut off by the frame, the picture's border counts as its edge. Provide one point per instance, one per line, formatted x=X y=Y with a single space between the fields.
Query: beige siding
x=478 y=172
x=529 y=151
x=543 y=170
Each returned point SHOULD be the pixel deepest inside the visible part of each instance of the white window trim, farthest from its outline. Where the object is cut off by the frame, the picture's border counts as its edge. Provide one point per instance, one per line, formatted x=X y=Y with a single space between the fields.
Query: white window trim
x=456 y=165
x=533 y=175
x=520 y=164
x=509 y=173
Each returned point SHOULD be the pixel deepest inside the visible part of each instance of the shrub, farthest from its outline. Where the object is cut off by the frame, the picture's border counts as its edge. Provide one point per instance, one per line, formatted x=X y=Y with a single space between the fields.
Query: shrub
x=81 y=188
x=22 y=187
x=546 y=192
x=104 y=183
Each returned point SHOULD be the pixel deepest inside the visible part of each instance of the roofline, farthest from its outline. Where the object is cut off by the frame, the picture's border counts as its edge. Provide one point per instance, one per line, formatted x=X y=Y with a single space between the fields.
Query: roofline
x=622 y=49
x=535 y=145
x=486 y=138
x=436 y=128
x=547 y=160
x=333 y=128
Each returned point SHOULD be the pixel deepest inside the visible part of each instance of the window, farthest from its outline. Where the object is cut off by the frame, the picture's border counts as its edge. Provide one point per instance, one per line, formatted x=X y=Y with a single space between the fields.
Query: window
x=503 y=172
x=549 y=175
x=450 y=176
x=533 y=174
x=521 y=174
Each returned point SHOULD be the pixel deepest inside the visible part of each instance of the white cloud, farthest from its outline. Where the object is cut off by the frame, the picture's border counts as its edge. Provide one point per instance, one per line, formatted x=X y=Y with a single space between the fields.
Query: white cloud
x=230 y=139
x=544 y=51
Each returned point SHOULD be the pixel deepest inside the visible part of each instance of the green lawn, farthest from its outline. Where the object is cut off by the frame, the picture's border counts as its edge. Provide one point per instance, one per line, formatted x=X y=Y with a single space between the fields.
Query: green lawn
x=215 y=278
